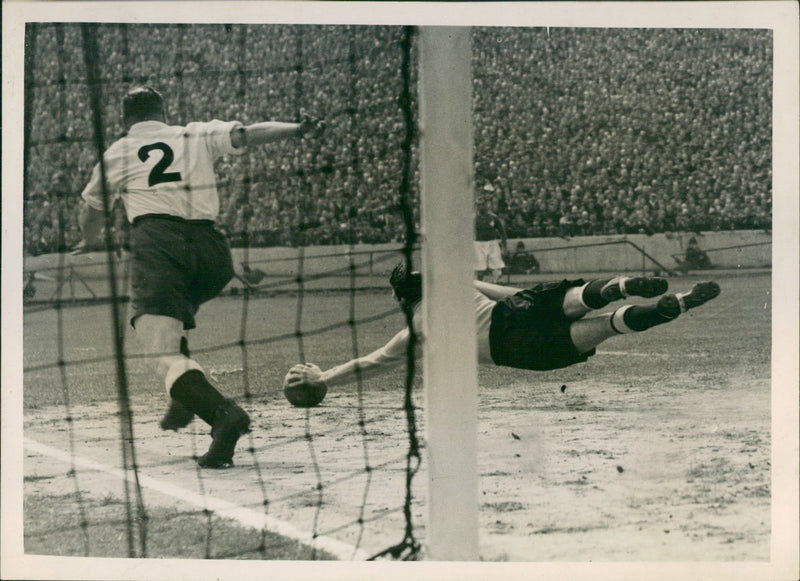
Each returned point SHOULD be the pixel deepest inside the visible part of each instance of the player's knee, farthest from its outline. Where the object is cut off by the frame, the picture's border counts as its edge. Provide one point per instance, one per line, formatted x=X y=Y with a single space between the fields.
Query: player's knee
x=159 y=332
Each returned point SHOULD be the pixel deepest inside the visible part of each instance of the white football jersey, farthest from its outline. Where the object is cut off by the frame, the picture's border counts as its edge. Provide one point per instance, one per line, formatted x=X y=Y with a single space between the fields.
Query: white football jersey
x=163 y=169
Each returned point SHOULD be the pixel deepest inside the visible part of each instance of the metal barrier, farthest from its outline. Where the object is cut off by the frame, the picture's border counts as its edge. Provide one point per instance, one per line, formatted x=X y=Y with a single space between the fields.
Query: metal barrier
x=87 y=281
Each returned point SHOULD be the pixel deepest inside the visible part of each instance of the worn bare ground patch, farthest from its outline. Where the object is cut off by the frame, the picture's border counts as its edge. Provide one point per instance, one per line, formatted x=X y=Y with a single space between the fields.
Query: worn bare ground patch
x=589 y=473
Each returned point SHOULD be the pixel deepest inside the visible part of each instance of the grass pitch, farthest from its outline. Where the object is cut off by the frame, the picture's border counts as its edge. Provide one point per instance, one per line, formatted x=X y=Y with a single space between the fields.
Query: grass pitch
x=656 y=448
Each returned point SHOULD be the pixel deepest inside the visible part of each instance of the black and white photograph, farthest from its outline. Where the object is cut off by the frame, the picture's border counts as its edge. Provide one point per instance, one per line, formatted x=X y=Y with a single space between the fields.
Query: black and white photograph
x=354 y=290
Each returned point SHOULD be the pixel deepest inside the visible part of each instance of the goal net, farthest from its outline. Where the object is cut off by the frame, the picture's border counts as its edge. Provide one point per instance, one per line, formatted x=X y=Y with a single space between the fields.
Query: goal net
x=315 y=225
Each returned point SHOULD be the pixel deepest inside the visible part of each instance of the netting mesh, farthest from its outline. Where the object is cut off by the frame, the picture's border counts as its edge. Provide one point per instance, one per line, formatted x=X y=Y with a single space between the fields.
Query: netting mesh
x=245 y=73
x=349 y=187
x=577 y=132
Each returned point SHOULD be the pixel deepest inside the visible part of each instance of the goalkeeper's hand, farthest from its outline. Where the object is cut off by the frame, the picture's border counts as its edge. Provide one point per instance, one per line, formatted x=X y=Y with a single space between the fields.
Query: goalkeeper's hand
x=310 y=124
x=304 y=374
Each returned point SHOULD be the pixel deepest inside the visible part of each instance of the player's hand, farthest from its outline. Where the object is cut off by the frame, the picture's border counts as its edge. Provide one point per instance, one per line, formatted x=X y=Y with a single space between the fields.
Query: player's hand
x=310 y=124
x=304 y=374
x=81 y=247
x=84 y=247
x=303 y=385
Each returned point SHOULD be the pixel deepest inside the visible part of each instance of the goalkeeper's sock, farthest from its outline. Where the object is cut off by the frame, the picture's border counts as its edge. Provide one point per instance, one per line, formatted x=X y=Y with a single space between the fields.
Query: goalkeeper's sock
x=195 y=393
x=669 y=307
x=635 y=318
x=592 y=295
x=598 y=293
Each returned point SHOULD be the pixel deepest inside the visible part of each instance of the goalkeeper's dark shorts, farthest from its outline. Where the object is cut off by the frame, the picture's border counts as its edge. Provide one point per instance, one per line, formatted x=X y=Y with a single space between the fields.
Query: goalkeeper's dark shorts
x=529 y=330
x=176 y=266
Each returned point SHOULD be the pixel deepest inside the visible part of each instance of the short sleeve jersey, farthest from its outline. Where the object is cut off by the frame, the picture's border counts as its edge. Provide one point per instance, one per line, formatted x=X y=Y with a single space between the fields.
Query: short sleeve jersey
x=162 y=169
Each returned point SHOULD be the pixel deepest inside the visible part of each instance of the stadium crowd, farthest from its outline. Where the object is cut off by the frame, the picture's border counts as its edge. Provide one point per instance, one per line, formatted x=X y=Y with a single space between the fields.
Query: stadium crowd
x=577 y=131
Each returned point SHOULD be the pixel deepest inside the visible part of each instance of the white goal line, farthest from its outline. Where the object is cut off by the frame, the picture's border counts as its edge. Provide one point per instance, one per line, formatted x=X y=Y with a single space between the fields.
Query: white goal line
x=222 y=508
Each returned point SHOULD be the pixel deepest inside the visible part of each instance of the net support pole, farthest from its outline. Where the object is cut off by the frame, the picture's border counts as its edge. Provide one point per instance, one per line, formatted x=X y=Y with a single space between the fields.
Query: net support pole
x=450 y=348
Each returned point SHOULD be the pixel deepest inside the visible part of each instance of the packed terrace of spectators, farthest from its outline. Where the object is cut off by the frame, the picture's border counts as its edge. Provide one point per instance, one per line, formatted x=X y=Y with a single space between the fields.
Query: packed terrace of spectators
x=577 y=131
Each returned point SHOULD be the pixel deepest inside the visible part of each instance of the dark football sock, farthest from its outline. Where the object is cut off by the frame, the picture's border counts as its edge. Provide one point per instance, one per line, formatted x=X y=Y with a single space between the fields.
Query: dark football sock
x=641 y=318
x=591 y=294
x=195 y=393
x=184 y=347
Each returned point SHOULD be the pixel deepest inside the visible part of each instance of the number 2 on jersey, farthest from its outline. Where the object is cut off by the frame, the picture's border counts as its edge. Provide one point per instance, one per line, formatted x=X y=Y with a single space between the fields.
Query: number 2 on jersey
x=158 y=175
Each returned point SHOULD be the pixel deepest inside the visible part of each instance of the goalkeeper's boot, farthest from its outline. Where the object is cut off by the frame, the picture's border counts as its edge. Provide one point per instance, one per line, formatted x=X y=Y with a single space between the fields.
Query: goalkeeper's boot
x=230 y=423
x=638 y=286
x=177 y=416
x=670 y=306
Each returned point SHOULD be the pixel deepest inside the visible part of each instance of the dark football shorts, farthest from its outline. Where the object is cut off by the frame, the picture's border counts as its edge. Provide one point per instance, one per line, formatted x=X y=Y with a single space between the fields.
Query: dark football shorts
x=529 y=330
x=177 y=265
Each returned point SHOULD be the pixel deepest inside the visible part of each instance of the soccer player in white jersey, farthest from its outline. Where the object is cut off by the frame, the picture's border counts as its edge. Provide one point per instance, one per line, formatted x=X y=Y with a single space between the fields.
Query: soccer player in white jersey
x=540 y=328
x=490 y=241
x=164 y=176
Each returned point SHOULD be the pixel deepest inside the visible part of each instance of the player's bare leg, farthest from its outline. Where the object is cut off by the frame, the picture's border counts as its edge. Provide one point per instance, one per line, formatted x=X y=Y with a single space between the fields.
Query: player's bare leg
x=160 y=338
x=177 y=416
x=596 y=294
x=588 y=333
x=187 y=384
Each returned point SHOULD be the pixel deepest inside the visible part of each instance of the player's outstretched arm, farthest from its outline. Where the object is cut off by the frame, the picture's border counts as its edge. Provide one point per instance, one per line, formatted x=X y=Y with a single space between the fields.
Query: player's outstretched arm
x=271 y=131
x=310 y=375
x=495 y=291
x=91 y=223
x=379 y=361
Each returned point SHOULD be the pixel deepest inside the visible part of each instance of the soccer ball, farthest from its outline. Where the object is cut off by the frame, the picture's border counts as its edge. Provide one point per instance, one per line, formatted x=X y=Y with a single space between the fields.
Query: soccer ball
x=304 y=394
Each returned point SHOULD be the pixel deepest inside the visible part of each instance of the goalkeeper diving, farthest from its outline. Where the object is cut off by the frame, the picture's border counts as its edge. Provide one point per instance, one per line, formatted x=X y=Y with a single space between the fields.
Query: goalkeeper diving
x=548 y=326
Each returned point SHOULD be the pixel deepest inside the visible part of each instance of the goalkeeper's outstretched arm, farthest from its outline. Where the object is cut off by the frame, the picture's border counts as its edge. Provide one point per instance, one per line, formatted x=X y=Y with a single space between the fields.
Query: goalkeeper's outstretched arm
x=495 y=291
x=380 y=361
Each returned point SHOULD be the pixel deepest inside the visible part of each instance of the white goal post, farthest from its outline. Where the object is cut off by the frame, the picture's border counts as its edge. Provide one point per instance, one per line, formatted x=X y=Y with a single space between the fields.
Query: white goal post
x=450 y=348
